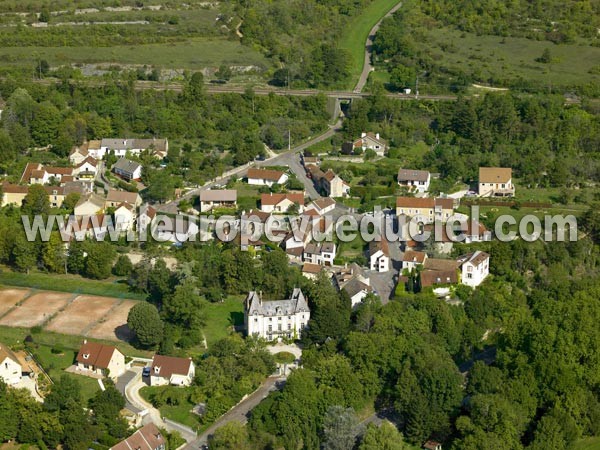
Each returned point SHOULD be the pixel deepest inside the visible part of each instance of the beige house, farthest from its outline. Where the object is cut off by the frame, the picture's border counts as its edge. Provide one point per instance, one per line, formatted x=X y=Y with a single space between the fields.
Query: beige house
x=370 y=141
x=98 y=359
x=271 y=203
x=167 y=370
x=217 y=198
x=427 y=210
x=89 y=205
x=496 y=182
x=329 y=183
x=417 y=180
x=13 y=194
x=115 y=198
x=10 y=368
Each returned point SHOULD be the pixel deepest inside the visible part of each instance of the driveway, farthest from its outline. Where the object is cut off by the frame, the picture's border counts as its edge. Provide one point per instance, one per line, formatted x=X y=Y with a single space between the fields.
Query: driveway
x=130 y=384
x=238 y=413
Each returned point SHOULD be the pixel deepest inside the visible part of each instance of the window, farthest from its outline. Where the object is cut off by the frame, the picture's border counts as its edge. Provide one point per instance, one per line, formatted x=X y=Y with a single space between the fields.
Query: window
x=279 y=327
x=270 y=328
x=302 y=325
x=255 y=319
x=289 y=326
x=469 y=275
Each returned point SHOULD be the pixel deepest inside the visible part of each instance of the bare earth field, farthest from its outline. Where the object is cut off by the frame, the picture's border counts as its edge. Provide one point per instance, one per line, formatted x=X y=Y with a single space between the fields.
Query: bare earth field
x=115 y=325
x=10 y=297
x=82 y=313
x=36 y=309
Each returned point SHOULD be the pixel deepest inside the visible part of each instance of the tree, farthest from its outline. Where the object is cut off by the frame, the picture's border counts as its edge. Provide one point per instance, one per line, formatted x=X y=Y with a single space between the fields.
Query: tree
x=106 y=406
x=75 y=257
x=383 y=437
x=340 y=428
x=53 y=253
x=123 y=266
x=24 y=253
x=70 y=201
x=99 y=260
x=44 y=15
x=143 y=319
x=36 y=201
x=224 y=72
x=232 y=435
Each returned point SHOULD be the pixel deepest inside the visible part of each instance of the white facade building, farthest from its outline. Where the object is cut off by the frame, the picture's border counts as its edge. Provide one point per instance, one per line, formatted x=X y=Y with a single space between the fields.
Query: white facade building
x=475 y=268
x=276 y=319
x=10 y=369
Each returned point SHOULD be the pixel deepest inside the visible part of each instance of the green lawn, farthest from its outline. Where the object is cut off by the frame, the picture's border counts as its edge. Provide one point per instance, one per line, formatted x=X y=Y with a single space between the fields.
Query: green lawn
x=221 y=316
x=592 y=443
x=179 y=413
x=357 y=31
x=68 y=283
x=512 y=58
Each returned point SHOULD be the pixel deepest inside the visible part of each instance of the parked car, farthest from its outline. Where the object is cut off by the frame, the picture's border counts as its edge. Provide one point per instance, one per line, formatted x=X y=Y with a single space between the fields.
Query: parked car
x=146 y=371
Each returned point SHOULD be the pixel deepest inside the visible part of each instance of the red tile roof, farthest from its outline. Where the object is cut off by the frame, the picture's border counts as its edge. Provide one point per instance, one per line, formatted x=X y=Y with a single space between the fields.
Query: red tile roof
x=98 y=355
x=169 y=365
x=265 y=174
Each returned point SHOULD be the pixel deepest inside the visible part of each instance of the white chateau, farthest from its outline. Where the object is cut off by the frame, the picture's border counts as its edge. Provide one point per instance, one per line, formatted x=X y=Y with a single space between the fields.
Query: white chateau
x=276 y=319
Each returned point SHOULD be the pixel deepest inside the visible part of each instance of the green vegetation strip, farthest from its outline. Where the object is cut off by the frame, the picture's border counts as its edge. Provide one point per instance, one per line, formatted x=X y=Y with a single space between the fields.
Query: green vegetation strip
x=68 y=283
x=357 y=31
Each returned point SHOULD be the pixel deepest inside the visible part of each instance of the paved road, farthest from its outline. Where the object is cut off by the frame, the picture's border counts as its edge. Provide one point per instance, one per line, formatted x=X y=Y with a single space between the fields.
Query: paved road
x=121 y=385
x=238 y=413
x=289 y=158
x=368 y=64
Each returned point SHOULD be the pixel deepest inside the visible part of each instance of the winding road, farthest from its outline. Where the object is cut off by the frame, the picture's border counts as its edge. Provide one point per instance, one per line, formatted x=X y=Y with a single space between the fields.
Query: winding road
x=368 y=64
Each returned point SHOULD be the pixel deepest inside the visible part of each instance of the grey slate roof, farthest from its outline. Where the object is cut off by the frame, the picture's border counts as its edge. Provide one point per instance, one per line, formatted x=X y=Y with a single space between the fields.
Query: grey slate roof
x=126 y=165
x=256 y=306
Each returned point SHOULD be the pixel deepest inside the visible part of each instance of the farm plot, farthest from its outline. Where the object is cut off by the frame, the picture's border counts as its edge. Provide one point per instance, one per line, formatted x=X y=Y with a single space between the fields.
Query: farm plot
x=81 y=314
x=10 y=297
x=36 y=310
x=114 y=326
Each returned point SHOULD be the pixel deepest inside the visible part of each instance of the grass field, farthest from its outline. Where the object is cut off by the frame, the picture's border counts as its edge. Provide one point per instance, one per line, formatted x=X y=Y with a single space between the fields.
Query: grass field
x=221 y=316
x=180 y=413
x=511 y=58
x=357 y=32
x=67 y=283
x=592 y=443
x=192 y=54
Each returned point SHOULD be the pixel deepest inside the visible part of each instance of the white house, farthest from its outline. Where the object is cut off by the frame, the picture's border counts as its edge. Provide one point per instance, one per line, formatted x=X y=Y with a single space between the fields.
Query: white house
x=86 y=169
x=475 y=268
x=98 y=359
x=322 y=253
x=412 y=259
x=370 y=141
x=276 y=319
x=167 y=370
x=145 y=217
x=496 y=181
x=265 y=177
x=354 y=282
x=121 y=147
x=10 y=368
x=379 y=255
x=125 y=216
x=323 y=205
x=127 y=169
x=416 y=180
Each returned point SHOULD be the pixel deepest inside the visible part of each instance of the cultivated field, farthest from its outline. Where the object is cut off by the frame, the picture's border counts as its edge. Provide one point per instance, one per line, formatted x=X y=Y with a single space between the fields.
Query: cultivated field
x=36 y=310
x=81 y=315
x=9 y=298
x=115 y=324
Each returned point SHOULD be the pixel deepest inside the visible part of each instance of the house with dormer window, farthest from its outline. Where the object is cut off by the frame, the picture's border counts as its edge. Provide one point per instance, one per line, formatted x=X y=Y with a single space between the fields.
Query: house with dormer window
x=170 y=370
x=99 y=359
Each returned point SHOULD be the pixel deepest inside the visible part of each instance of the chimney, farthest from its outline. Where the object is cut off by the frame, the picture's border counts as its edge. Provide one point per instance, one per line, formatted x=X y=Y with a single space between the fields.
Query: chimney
x=260 y=297
x=377 y=136
x=363 y=134
x=84 y=341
